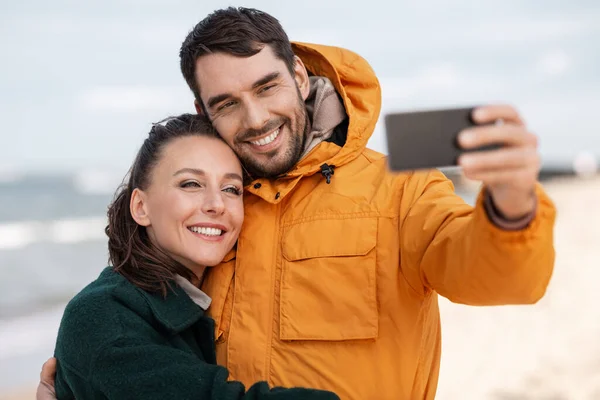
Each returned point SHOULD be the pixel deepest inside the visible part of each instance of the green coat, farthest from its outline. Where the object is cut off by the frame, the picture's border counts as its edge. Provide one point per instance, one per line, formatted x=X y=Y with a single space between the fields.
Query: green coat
x=117 y=341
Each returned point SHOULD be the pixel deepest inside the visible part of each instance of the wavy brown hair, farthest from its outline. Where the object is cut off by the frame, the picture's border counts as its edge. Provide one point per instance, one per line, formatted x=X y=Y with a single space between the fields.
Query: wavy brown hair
x=131 y=252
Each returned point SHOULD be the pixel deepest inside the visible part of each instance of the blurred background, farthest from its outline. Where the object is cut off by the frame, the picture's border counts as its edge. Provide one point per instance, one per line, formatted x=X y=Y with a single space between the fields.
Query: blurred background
x=81 y=83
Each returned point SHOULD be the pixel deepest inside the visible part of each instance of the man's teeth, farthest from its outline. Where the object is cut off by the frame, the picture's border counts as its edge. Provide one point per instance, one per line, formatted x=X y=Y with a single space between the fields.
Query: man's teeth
x=206 y=231
x=267 y=140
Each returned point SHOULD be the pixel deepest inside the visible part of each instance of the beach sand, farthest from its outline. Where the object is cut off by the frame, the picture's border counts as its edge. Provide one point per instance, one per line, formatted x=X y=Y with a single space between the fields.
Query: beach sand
x=550 y=350
x=23 y=394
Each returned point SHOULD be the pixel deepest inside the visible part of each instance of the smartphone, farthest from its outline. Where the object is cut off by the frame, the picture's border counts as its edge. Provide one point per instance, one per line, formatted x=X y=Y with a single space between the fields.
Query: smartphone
x=427 y=139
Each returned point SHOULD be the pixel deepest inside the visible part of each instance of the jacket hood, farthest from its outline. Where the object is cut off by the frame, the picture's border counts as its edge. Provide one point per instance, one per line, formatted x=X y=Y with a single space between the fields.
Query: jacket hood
x=356 y=83
x=358 y=87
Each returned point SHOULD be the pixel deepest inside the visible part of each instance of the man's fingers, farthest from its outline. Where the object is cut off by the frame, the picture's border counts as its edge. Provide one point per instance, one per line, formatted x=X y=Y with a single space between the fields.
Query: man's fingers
x=48 y=371
x=493 y=113
x=507 y=134
x=507 y=158
x=518 y=177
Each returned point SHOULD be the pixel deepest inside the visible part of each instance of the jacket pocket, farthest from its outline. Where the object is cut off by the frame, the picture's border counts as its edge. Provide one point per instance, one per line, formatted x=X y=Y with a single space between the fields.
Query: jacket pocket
x=328 y=283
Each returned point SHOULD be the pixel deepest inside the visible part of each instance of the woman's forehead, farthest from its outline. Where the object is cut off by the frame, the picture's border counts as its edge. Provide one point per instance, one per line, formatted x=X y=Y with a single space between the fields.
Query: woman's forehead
x=211 y=155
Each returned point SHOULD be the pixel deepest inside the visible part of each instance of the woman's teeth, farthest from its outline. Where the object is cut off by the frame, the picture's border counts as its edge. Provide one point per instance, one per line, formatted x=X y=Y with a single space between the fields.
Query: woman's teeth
x=267 y=140
x=206 y=231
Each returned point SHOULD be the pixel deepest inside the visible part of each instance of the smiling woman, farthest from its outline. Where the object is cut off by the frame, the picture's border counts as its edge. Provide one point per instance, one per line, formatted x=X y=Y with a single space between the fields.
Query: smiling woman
x=139 y=330
x=184 y=179
x=191 y=205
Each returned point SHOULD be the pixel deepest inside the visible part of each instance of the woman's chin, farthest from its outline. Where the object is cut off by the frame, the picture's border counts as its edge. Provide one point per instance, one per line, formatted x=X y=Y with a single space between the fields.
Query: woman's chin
x=210 y=262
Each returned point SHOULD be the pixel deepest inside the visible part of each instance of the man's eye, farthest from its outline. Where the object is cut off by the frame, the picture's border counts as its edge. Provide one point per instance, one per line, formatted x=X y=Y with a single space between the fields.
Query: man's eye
x=226 y=105
x=264 y=89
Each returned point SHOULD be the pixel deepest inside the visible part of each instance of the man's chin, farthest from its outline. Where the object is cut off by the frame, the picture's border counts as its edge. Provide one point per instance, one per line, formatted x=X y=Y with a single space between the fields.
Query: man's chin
x=274 y=163
x=268 y=169
x=269 y=172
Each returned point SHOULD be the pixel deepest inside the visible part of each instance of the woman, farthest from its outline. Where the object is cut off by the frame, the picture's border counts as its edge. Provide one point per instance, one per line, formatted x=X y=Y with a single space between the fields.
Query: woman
x=139 y=331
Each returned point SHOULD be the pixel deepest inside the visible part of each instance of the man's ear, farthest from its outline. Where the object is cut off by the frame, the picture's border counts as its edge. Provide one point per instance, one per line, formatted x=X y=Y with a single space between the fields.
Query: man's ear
x=301 y=77
x=139 y=208
x=199 y=108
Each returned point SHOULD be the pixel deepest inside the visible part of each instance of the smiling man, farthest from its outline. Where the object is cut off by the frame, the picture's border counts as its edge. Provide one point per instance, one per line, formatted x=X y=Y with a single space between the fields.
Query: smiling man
x=339 y=263
x=269 y=134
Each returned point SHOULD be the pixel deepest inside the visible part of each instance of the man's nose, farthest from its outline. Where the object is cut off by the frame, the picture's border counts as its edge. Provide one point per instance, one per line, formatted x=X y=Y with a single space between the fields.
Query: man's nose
x=256 y=115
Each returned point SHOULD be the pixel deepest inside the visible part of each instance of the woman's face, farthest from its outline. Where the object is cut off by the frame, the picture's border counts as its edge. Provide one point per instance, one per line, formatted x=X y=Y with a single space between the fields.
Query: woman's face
x=193 y=207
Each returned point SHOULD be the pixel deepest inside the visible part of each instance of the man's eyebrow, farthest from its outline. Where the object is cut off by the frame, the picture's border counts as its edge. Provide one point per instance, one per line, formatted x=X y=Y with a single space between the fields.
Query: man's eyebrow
x=217 y=99
x=266 y=79
x=213 y=101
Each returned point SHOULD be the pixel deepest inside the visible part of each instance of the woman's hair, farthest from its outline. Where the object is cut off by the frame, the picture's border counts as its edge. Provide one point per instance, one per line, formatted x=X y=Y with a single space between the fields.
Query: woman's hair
x=131 y=253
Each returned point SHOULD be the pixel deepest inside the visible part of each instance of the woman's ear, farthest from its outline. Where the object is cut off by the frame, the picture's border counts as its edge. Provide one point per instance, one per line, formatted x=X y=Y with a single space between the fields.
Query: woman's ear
x=301 y=77
x=139 y=208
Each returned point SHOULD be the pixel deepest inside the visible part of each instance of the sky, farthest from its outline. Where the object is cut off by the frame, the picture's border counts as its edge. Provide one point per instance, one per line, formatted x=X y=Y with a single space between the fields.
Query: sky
x=81 y=82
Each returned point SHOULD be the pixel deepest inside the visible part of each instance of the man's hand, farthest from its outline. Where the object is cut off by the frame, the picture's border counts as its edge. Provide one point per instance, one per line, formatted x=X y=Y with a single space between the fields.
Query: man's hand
x=45 y=390
x=510 y=173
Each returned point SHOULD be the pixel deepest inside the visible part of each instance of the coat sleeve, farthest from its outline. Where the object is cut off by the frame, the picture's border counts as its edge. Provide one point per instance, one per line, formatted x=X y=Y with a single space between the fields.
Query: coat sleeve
x=450 y=247
x=130 y=368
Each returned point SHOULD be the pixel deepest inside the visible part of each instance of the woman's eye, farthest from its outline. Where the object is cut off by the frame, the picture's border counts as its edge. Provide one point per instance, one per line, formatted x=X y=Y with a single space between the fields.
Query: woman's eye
x=190 y=184
x=233 y=190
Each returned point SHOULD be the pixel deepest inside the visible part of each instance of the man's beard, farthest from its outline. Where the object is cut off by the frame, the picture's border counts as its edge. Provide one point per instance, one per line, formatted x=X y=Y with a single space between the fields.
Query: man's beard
x=296 y=144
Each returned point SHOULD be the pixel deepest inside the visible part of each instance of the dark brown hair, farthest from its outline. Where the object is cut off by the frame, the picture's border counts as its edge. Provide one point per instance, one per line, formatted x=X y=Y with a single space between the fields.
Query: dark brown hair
x=131 y=253
x=241 y=32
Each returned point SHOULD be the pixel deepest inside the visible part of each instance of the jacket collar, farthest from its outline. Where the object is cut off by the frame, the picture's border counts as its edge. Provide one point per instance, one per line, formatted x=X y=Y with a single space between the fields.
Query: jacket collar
x=177 y=311
x=359 y=90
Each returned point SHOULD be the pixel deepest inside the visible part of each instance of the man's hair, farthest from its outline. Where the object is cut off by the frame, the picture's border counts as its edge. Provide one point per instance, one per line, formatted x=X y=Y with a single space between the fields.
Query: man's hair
x=241 y=32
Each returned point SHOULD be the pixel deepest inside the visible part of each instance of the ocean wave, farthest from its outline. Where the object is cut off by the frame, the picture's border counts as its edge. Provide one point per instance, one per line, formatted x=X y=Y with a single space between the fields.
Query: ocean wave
x=29 y=334
x=21 y=234
x=10 y=175
x=97 y=181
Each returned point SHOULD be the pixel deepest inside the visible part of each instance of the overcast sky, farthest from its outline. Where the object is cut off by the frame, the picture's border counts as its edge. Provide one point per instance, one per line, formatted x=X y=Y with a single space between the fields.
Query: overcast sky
x=81 y=81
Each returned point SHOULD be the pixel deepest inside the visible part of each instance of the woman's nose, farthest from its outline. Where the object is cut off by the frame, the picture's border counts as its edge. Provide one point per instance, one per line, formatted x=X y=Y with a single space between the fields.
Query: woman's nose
x=213 y=203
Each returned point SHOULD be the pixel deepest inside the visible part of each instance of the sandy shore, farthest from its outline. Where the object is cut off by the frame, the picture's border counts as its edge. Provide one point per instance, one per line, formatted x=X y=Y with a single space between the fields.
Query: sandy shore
x=547 y=351
x=23 y=394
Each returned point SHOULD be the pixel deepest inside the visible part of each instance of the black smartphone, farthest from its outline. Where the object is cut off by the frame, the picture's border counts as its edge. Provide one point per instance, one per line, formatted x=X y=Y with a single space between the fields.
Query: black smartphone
x=427 y=139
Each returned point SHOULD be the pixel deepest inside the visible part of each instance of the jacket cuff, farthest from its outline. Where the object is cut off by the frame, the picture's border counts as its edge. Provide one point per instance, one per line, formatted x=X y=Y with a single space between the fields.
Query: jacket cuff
x=496 y=217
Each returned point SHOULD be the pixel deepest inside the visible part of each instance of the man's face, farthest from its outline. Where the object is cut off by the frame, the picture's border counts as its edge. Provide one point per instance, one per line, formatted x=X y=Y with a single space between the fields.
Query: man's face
x=257 y=106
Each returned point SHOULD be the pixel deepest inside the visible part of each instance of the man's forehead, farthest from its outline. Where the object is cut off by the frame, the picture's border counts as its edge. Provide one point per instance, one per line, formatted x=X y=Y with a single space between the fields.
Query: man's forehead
x=220 y=72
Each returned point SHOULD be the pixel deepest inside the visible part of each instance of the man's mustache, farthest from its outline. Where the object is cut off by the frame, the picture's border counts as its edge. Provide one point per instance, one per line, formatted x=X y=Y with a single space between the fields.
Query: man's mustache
x=254 y=133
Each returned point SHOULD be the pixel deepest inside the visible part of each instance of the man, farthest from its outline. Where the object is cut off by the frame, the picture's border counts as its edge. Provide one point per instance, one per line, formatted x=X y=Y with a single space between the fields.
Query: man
x=335 y=281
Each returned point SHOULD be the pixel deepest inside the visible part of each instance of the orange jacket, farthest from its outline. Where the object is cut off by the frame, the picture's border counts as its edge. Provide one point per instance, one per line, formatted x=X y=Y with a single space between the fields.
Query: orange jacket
x=336 y=285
